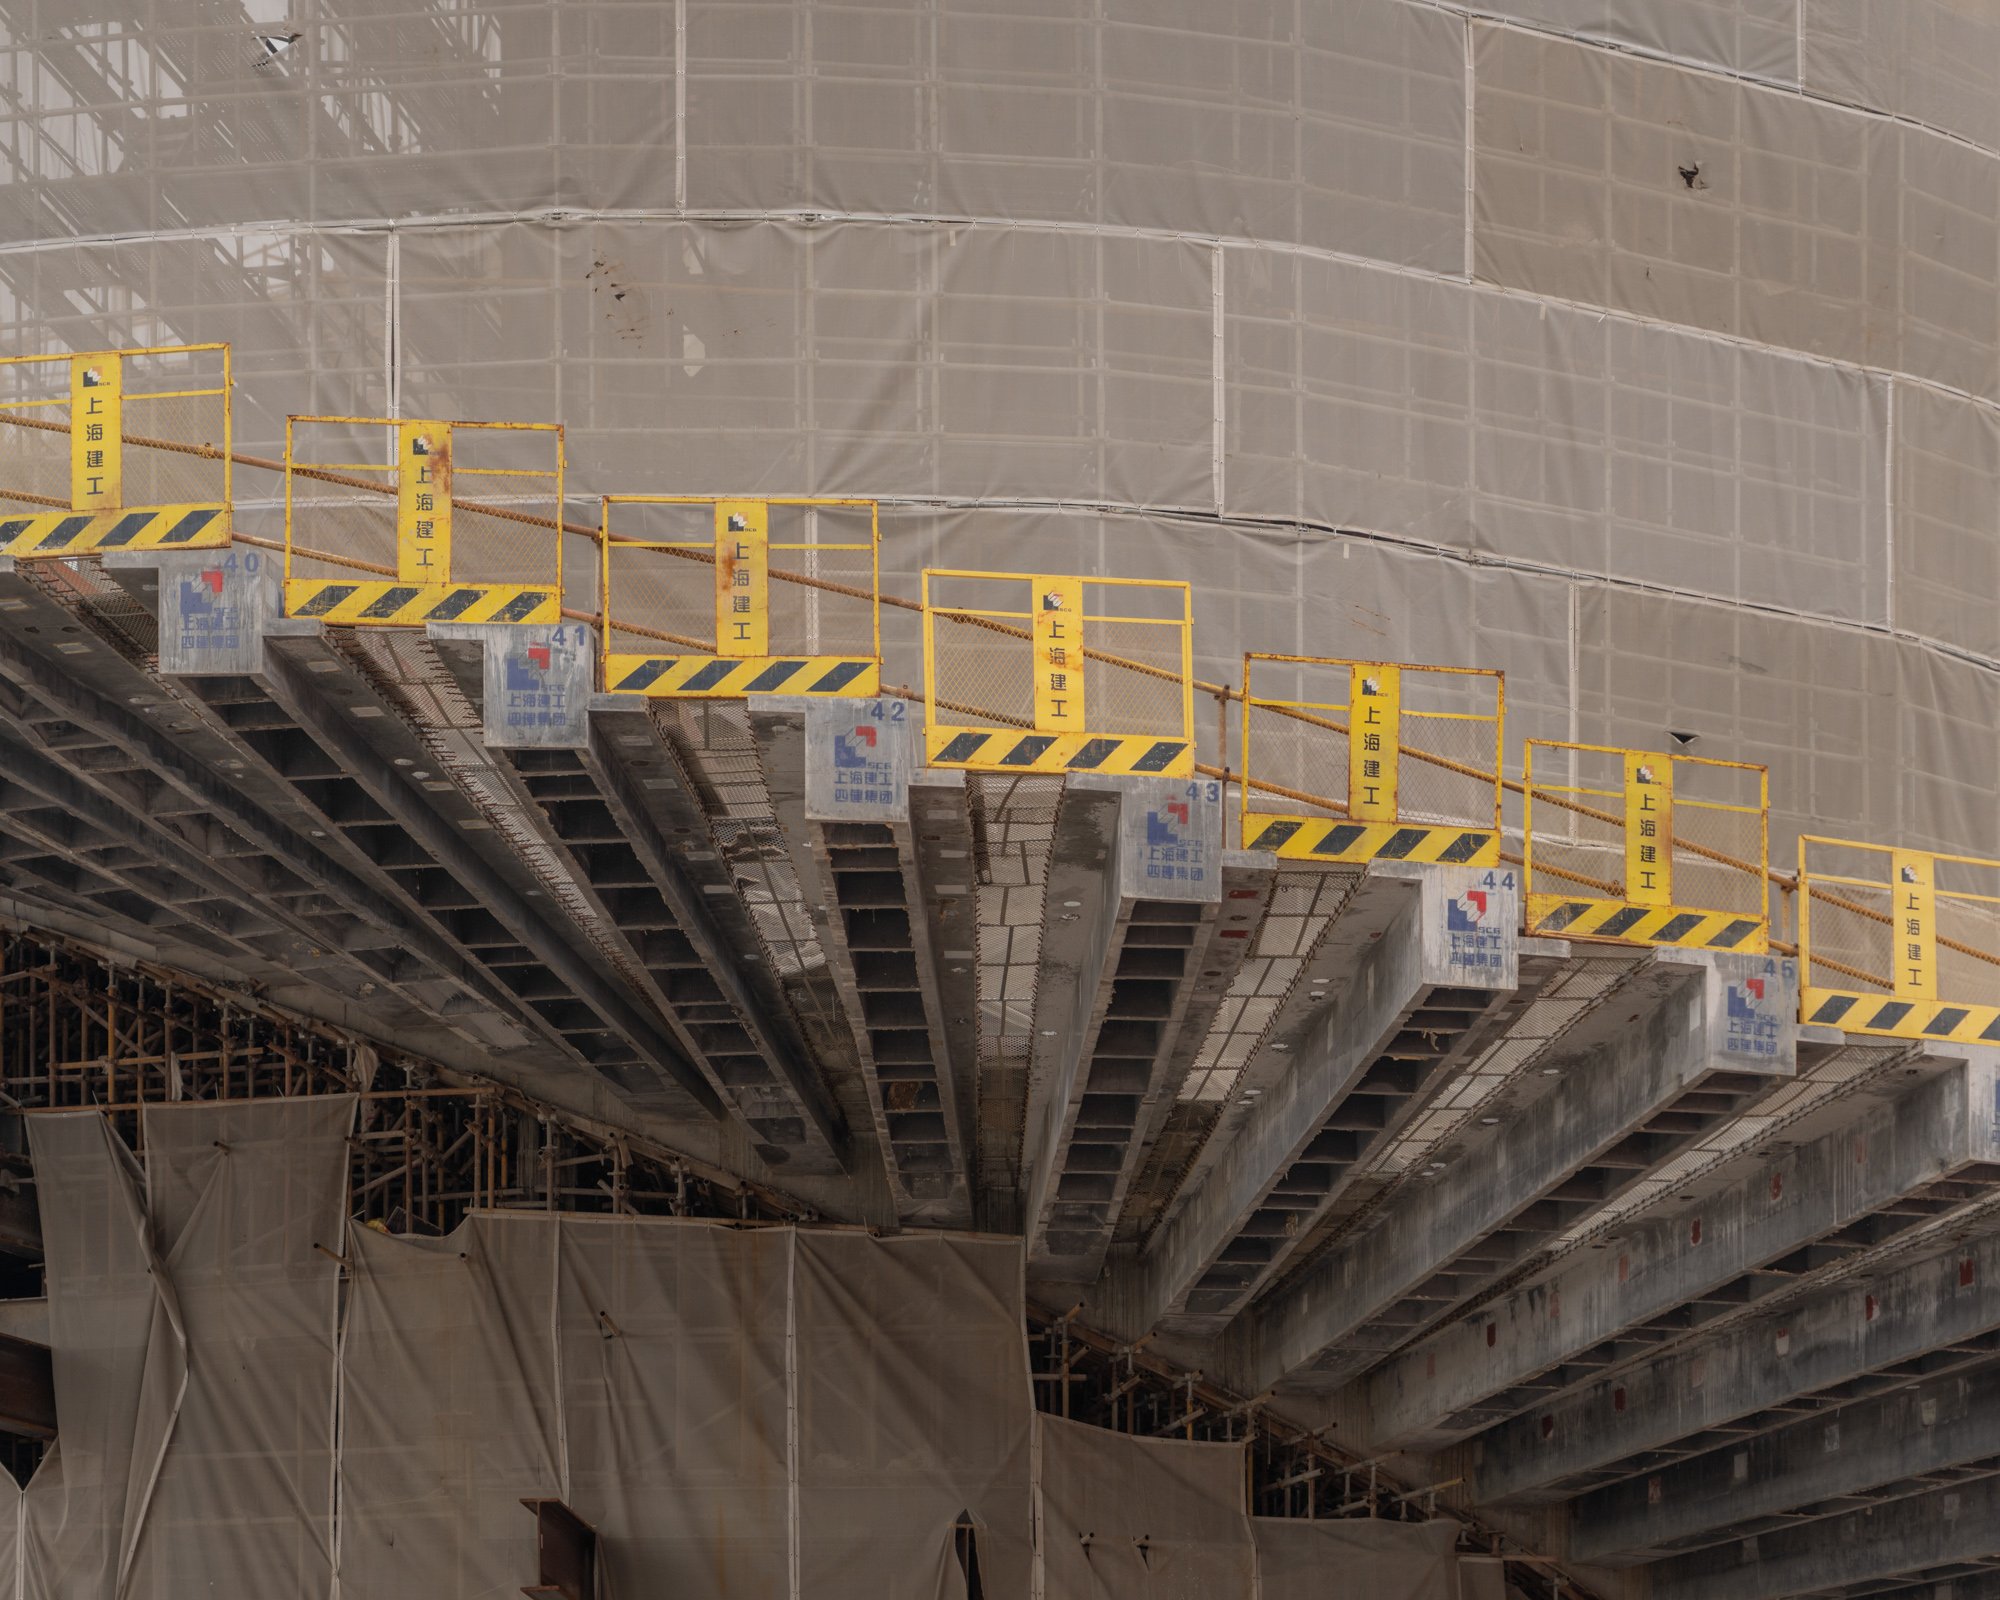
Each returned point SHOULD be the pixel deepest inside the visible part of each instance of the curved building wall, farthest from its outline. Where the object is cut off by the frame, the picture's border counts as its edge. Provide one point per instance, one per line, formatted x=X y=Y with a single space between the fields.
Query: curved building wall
x=1647 y=349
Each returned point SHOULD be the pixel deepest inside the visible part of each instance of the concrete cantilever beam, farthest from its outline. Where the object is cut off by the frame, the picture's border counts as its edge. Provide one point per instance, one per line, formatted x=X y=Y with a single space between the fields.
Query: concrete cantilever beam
x=1694 y=1036
x=1429 y=954
x=1954 y=1527
x=1845 y=1343
x=1873 y=1451
x=601 y=787
x=885 y=862
x=1148 y=921
x=1788 y=1215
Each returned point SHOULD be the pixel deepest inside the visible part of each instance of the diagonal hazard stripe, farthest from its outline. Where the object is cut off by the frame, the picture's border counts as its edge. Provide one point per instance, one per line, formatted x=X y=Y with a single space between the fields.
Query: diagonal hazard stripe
x=1319 y=839
x=1024 y=753
x=1093 y=755
x=324 y=601
x=642 y=677
x=1276 y=834
x=734 y=677
x=523 y=606
x=772 y=678
x=71 y=533
x=839 y=678
x=454 y=605
x=125 y=530
x=1009 y=750
x=1965 y=1021
x=1685 y=926
x=183 y=532
x=709 y=676
x=389 y=602
x=410 y=605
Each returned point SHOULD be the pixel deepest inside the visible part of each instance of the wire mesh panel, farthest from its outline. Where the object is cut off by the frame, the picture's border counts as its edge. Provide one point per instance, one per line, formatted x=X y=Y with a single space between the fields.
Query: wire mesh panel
x=1359 y=760
x=1058 y=674
x=1646 y=848
x=1899 y=942
x=396 y=523
x=724 y=598
x=115 y=450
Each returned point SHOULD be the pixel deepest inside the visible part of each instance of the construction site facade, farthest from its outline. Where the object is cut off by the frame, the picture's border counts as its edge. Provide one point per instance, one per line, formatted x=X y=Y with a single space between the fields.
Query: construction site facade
x=967 y=799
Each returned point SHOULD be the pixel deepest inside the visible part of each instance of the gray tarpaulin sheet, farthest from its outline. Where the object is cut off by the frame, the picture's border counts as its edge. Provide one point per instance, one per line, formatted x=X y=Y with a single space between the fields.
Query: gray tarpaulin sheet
x=1126 y=1518
x=675 y=1349
x=912 y=1386
x=1361 y=1559
x=730 y=1408
x=449 y=1403
x=193 y=1323
x=247 y=1205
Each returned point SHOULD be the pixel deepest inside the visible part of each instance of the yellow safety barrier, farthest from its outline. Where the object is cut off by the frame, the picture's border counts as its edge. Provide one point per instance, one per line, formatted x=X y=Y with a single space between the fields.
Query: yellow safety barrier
x=1040 y=679
x=116 y=450
x=742 y=628
x=1327 y=775
x=402 y=498
x=1894 y=941
x=1646 y=848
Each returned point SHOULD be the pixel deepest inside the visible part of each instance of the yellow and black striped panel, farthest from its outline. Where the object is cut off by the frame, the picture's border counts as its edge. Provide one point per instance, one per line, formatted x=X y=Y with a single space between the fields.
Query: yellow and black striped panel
x=77 y=533
x=1317 y=839
x=386 y=603
x=732 y=677
x=1901 y=1019
x=1675 y=925
x=1012 y=750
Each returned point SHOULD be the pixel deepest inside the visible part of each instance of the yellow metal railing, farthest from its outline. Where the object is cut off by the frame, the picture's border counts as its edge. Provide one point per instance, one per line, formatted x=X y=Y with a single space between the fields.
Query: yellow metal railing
x=1323 y=773
x=100 y=445
x=1055 y=700
x=54 y=488
x=454 y=558
x=752 y=628
x=1655 y=849
x=1886 y=940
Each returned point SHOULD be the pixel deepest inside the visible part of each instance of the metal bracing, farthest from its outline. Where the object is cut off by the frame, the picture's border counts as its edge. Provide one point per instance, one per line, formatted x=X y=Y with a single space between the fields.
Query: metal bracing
x=1638 y=1082
x=1788 y=1217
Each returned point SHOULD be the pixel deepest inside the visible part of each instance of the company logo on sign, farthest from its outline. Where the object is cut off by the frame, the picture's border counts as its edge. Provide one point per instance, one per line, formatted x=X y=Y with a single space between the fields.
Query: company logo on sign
x=1467 y=913
x=852 y=749
x=420 y=444
x=1755 y=1017
x=93 y=377
x=1174 y=852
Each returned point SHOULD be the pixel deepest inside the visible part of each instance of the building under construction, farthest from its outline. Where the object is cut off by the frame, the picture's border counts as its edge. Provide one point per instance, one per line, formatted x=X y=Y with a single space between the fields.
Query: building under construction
x=980 y=799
